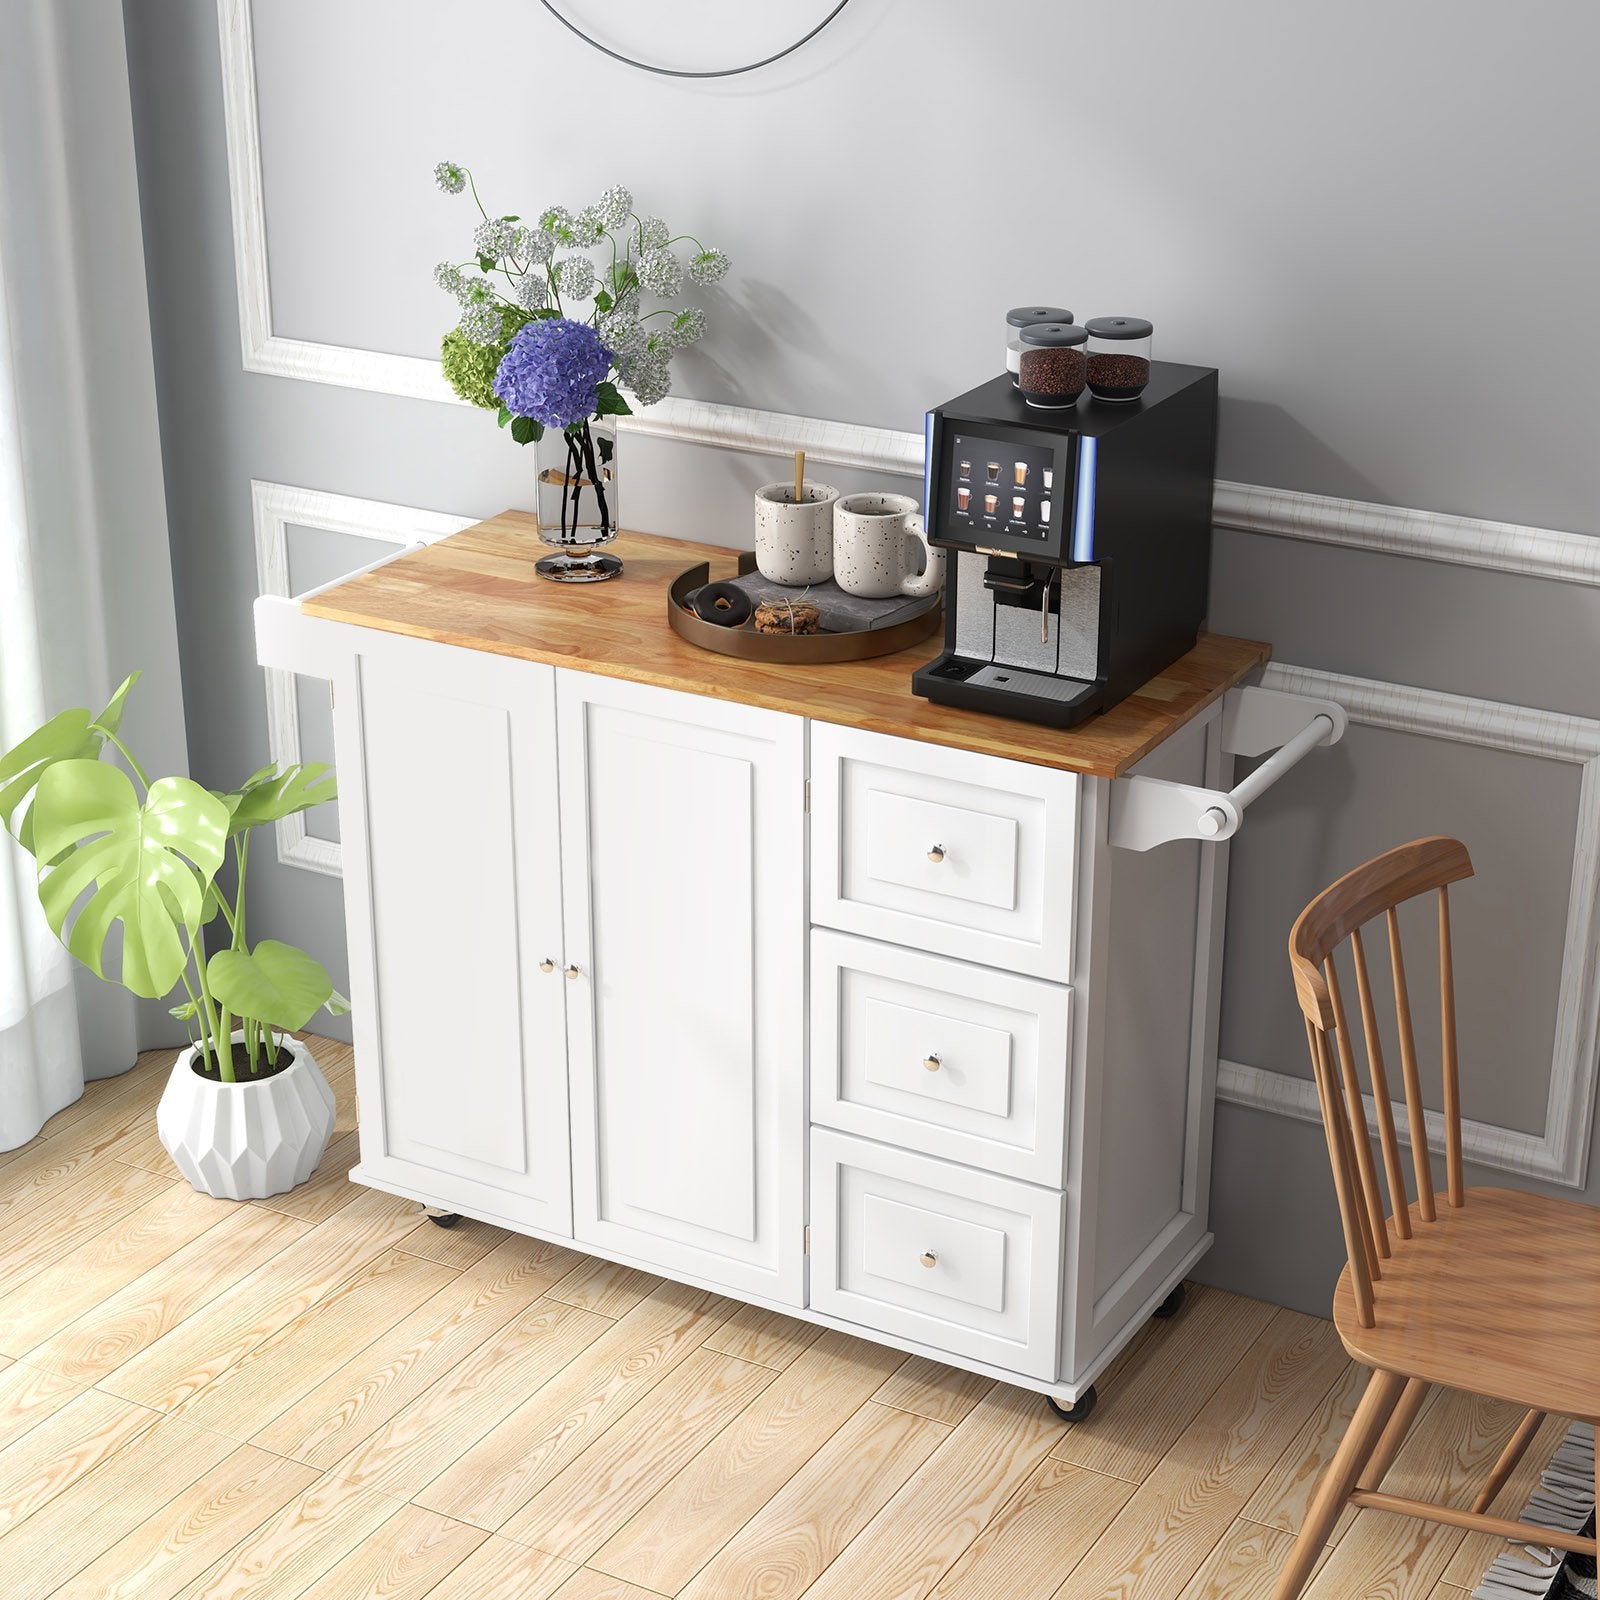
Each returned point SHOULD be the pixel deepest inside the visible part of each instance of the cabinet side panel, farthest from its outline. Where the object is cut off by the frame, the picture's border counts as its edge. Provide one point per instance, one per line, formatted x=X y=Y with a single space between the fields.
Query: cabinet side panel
x=1149 y=980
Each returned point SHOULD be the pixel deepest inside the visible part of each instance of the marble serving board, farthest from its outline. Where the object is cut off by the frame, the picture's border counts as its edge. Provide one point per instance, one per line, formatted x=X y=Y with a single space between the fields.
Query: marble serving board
x=838 y=612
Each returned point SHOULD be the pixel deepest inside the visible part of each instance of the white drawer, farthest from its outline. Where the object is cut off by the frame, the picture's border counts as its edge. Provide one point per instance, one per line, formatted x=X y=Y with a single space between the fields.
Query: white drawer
x=959 y=1260
x=944 y=850
x=956 y=1060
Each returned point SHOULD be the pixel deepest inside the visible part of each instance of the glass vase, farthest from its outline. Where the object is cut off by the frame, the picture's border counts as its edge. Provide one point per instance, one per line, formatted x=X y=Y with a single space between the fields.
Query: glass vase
x=576 y=501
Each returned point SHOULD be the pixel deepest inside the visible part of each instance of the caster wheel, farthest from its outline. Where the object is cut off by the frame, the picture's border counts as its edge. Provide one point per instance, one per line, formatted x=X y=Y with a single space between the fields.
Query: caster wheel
x=1079 y=1412
x=1172 y=1305
x=447 y=1219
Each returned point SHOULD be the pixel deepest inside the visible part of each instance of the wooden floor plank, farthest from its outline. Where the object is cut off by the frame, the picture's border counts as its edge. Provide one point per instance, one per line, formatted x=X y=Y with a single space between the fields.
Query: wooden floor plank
x=409 y=1450
x=462 y=1245
x=786 y=1545
x=34 y=1307
x=501 y=1570
x=594 y=1496
x=1169 y=1527
x=350 y=1404
x=1243 y=1565
x=65 y=1216
x=181 y=1539
x=752 y=1333
x=97 y=1510
x=114 y=1111
x=160 y=1300
x=604 y=1287
x=280 y=1370
x=927 y=1527
x=407 y=1558
x=1041 y=1532
x=709 y=1499
x=203 y=1346
x=28 y=1395
x=62 y=1449
x=942 y=1394
x=490 y=1482
x=591 y=1585
x=1183 y=1360
x=1286 y=1490
x=297 y=1545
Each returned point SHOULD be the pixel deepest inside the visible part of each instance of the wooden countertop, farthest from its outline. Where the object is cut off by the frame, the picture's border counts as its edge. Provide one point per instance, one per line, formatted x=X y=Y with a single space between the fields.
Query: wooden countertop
x=478 y=589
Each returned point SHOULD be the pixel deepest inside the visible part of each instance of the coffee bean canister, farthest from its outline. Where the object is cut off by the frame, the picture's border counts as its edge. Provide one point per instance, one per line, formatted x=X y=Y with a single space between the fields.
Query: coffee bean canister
x=1052 y=368
x=1119 y=357
x=1018 y=318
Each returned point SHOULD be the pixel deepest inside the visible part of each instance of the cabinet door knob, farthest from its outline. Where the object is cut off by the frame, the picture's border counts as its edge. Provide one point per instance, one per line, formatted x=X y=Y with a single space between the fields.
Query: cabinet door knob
x=928 y=1258
x=932 y=1063
x=571 y=972
x=936 y=855
x=547 y=965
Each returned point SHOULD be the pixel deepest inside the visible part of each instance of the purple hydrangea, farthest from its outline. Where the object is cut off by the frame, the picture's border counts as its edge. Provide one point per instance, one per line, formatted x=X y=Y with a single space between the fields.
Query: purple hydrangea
x=552 y=372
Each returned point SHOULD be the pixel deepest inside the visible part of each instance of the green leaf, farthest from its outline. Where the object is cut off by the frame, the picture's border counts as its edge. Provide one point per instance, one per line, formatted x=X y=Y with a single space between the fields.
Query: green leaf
x=505 y=415
x=67 y=736
x=274 y=983
x=148 y=866
x=486 y=263
x=525 y=430
x=185 y=1012
x=511 y=216
x=271 y=795
x=110 y=720
x=622 y=277
x=603 y=301
x=611 y=403
x=338 y=1004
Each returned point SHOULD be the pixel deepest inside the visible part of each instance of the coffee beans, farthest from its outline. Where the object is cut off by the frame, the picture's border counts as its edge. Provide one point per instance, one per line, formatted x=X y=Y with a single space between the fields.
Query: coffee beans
x=1113 y=376
x=1052 y=373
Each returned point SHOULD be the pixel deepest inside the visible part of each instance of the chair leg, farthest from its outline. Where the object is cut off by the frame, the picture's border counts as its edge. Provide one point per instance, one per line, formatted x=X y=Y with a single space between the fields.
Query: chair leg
x=1516 y=1448
x=1394 y=1434
x=1333 y=1492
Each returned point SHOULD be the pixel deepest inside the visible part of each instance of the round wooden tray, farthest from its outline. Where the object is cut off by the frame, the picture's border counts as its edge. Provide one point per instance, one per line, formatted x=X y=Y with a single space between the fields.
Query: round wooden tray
x=789 y=647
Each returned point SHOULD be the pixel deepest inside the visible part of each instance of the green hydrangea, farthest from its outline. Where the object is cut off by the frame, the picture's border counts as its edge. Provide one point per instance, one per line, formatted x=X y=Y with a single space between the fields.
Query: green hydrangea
x=469 y=368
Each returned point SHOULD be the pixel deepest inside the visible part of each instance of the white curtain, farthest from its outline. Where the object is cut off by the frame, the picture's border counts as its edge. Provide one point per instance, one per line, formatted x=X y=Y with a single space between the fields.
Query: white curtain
x=85 y=573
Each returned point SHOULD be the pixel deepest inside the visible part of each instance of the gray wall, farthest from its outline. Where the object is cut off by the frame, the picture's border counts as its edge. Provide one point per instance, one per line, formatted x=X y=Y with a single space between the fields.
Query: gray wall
x=1378 y=222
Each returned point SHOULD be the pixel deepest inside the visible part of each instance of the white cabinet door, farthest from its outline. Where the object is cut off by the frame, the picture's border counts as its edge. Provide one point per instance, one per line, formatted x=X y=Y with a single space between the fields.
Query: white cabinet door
x=683 y=841
x=453 y=899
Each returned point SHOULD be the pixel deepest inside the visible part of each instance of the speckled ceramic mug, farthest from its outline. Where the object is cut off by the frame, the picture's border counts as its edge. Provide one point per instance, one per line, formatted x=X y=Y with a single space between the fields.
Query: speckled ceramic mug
x=794 y=540
x=879 y=544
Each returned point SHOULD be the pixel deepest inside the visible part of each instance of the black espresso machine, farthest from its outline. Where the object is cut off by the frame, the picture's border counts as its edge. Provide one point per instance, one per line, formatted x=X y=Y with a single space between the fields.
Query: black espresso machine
x=1081 y=540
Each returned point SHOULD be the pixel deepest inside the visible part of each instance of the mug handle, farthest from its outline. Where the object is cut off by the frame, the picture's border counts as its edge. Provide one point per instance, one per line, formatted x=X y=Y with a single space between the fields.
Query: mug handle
x=931 y=579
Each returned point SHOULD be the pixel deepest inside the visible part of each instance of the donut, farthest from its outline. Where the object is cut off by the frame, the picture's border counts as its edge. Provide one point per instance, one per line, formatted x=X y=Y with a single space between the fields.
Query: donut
x=725 y=604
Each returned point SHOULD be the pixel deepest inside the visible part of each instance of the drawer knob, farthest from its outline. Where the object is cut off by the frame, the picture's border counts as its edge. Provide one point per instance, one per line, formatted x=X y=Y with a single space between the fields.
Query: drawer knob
x=571 y=972
x=547 y=965
x=936 y=855
x=932 y=1063
x=928 y=1258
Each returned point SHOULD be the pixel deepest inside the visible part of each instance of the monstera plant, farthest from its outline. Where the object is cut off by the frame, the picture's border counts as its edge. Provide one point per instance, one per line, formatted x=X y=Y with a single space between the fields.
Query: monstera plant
x=129 y=882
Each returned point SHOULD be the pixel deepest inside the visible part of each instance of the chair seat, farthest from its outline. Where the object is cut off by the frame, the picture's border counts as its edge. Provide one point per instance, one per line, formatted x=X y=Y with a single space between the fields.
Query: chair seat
x=1500 y=1297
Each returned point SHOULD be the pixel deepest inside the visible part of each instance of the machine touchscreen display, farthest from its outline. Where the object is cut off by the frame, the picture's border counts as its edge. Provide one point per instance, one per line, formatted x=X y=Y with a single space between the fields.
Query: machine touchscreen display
x=999 y=487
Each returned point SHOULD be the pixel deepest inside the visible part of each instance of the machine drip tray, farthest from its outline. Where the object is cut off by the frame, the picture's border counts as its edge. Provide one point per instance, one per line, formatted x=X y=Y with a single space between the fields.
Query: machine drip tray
x=1037 y=685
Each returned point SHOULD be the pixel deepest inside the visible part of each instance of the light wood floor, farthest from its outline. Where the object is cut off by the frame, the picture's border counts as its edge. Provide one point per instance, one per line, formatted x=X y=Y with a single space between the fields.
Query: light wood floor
x=323 y=1395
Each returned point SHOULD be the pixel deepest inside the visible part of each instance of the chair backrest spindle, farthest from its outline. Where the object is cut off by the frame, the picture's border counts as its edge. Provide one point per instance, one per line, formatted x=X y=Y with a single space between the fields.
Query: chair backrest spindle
x=1356 y=1115
x=1416 y=1113
x=1339 y=913
x=1454 y=1177
x=1379 y=1076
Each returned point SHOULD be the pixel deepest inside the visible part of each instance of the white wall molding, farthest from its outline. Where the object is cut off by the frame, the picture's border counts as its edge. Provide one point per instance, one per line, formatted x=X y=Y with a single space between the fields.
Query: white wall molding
x=1559 y=1154
x=274 y=507
x=1249 y=508
x=1402 y=531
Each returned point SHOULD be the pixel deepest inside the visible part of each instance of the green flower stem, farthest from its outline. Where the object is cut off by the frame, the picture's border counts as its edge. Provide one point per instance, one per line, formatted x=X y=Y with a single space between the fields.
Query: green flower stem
x=127 y=756
x=203 y=1042
x=473 y=186
x=224 y=1040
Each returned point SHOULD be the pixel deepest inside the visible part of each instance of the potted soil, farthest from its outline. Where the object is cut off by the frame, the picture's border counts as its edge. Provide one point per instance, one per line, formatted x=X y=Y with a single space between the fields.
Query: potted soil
x=247 y=1111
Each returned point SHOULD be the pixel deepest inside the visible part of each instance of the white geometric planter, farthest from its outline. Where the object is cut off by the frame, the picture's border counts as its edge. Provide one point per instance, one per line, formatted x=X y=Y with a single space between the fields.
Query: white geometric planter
x=245 y=1141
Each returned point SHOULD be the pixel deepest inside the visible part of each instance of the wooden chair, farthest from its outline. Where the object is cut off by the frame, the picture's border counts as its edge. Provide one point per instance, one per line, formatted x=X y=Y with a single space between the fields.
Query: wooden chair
x=1490 y=1291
